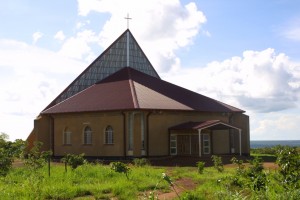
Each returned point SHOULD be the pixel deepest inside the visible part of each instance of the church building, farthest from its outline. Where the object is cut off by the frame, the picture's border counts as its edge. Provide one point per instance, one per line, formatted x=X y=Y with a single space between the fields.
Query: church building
x=119 y=107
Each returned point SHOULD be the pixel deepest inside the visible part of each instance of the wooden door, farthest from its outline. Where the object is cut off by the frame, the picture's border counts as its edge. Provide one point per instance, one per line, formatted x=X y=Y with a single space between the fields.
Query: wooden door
x=183 y=145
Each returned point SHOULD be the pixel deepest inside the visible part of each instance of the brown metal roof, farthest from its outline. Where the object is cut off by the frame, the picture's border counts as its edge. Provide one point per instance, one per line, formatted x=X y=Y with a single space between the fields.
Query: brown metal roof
x=132 y=89
x=211 y=124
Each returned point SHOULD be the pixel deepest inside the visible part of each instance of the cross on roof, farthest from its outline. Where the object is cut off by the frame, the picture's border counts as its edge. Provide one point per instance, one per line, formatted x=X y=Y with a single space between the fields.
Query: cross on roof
x=127 y=18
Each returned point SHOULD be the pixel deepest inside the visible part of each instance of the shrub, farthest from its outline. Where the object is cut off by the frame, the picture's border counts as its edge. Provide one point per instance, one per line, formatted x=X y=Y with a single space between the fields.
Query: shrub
x=200 y=167
x=140 y=162
x=218 y=164
x=74 y=160
x=288 y=160
x=120 y=168
x=241 y=167
x=36 y=158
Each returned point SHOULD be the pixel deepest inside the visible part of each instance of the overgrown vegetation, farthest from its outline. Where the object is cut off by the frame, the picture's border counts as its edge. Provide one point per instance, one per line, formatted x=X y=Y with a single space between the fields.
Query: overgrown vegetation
x=247 y=180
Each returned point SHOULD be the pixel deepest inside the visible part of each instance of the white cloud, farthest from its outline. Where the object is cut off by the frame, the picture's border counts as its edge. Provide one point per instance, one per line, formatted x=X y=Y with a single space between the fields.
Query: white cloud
x=36 y=36
x=78 y=46
x=292 y=30
x=80 y=25
x=276 y=126
x=60 y=36
x=30 y=79
x=260 y=81
x=168 y=25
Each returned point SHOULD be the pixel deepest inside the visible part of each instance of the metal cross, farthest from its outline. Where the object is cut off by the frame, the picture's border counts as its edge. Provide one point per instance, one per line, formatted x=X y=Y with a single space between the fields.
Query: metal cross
x=127 y=18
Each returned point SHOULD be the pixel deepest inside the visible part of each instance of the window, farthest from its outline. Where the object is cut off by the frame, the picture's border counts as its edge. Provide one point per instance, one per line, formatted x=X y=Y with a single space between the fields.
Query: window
x=173 y=145
x=67 y=137
x=87 y=135
x=206 y=144
x=109 y=135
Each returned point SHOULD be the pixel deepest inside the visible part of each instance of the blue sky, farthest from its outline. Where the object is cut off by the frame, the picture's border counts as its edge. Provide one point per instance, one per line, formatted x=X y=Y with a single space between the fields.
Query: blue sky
x=244 y=53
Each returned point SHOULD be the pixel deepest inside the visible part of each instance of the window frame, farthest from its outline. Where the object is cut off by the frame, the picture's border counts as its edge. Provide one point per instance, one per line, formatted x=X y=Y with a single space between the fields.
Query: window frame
x=87 y=136
x=67 y=137
x=109 y=135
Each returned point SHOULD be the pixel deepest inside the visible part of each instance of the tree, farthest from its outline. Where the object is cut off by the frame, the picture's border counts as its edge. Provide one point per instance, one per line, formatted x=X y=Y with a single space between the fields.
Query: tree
x=8 y=151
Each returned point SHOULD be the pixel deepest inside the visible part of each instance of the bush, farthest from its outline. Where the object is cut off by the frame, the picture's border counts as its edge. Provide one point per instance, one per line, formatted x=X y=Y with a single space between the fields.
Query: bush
x=200 y=166
x=140 y=162
x=120 y=168
x=288 y=160
x=36 y=158
x=218 y=164
x=74 y=160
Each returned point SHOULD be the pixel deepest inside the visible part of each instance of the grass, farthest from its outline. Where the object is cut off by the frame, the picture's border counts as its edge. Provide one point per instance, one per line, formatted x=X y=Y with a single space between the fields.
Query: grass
x=96 y=181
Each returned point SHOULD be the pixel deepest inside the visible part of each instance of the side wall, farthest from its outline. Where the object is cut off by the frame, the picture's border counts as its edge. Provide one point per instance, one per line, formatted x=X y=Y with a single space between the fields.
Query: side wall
x=76 y=123
x=42 y=131
x=242 y=121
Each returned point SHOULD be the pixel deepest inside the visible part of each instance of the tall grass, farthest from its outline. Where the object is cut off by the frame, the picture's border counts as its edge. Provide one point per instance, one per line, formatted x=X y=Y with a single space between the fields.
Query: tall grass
x=101 y=182
x=95 y=180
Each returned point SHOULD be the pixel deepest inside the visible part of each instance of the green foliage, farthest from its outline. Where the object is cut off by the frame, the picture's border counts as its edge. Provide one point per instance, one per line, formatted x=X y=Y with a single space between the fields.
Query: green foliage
x=288 y=160
x=241 y=166
x=36 y=158
x=200 y=167
x=74 y=160
x=140 y=162
x=120 y=168
x=218 y=164
x=8 y=151
x=253 y=177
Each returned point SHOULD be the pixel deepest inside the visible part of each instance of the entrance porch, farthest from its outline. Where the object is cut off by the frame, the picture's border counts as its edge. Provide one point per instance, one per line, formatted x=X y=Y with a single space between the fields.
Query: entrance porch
x=204 y=139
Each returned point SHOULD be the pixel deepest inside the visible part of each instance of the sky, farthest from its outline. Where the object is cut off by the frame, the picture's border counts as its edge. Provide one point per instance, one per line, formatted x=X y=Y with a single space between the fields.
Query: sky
x=244 y=53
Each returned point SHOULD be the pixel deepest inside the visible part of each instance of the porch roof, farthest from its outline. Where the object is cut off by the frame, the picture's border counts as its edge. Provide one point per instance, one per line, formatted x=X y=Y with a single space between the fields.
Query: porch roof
x=210 y=124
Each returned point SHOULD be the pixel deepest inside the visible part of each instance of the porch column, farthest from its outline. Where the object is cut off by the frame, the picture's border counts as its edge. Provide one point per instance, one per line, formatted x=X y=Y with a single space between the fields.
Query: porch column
x=240 y=138
x=199 y=135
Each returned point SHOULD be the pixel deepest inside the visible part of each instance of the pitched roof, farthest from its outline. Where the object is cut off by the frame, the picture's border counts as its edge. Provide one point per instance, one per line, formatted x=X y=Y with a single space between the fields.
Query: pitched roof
x=212 y=124
x=131 y=89
x=111 y=60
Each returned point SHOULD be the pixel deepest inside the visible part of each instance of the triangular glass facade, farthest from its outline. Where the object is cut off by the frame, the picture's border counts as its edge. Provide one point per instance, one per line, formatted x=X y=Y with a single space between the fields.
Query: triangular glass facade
x=120 y=54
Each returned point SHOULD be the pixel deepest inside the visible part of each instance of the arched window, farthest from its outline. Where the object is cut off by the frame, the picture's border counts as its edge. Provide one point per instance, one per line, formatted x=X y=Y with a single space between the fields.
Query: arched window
x=87 y=135
x=109 y=135
x=67 y=137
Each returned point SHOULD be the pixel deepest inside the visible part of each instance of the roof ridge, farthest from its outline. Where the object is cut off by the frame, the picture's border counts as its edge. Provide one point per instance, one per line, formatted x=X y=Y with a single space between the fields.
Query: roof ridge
x=132 y=89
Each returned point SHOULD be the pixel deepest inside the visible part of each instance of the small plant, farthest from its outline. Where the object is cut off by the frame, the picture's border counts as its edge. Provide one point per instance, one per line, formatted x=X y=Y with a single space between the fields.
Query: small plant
x=120 y=168
x=36 y=158
x=140 y=162
x=218 y=164
x=240 y=165
x=73 y=160
x=200 y=166
x=166 y=178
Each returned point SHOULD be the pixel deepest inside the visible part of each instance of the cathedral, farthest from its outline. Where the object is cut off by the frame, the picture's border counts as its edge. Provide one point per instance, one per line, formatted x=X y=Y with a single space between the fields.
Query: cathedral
x=119 y=107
